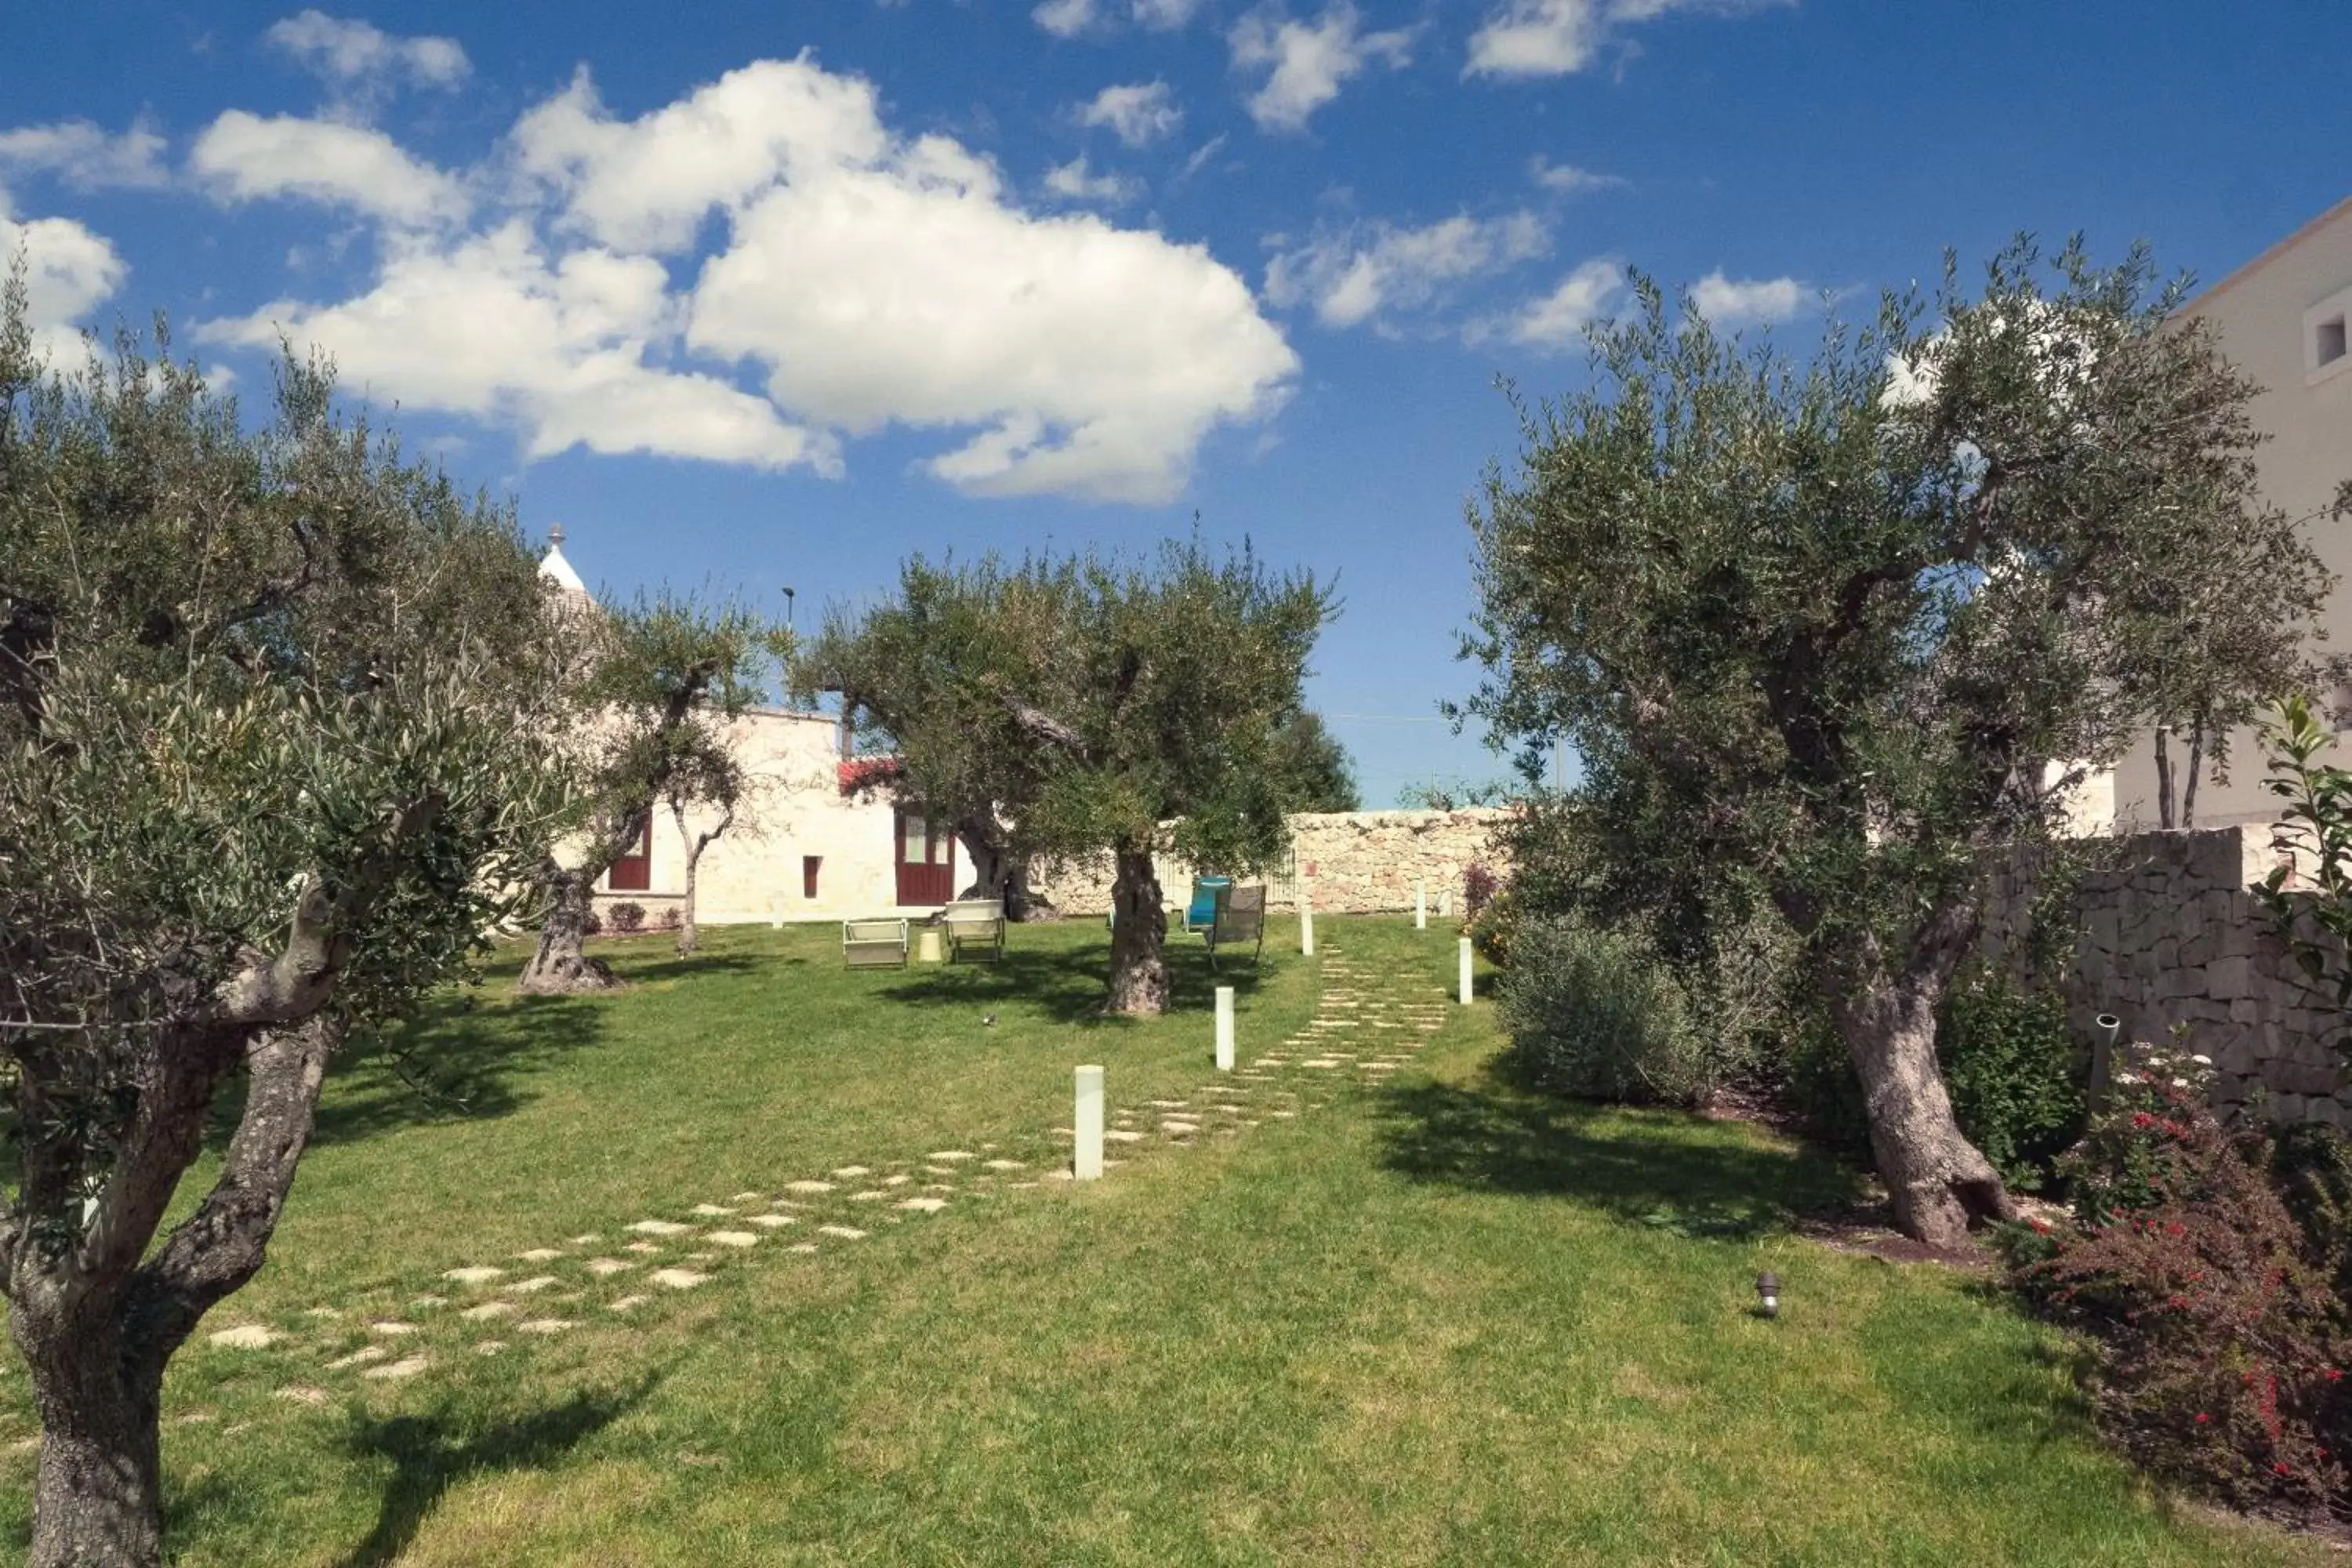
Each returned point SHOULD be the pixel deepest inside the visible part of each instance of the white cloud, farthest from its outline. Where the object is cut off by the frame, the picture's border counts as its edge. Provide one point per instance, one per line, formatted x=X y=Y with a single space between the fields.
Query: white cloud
x=1307 y=63
x=1164 y=15
x=871 y=278
x=1568 y=179
x=1064 y=19
x=1201 y=154
x=68 y=269
x=1559 y=37
x=1729 y=302
x=1068 y=18
x=1072 y=181
x=1096 y=359
x=1537 y=37
x=648 y=183
x=1138 y=114
x=349 y=55
x=243 y=157
x=1559 y=317
x=1352 y=276
x=83 y=155
x=493 y=327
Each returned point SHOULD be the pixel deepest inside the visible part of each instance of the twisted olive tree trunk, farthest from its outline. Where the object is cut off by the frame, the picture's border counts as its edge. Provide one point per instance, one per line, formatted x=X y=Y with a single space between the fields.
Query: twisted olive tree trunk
x=1138 y=936
x=98 y=1326
x=1941 y=1184
x=560 y=965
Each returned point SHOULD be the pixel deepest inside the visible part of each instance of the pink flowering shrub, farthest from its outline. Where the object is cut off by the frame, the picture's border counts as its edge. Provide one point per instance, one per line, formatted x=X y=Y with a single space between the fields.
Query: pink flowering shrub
x=2222 y=1346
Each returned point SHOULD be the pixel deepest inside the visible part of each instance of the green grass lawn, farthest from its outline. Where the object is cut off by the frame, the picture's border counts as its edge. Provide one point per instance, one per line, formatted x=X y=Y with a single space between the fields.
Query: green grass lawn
x=1425 y=1321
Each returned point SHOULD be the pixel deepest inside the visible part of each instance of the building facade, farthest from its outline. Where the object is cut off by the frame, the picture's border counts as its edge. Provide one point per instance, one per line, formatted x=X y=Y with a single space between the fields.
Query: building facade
x=808 y=843
x=2282 y=319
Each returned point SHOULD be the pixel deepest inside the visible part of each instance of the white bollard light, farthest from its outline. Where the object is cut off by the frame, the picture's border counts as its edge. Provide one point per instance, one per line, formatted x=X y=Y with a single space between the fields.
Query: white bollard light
x=1465 y=972
x=1306 y=921
x=1086 y=1165
x=1225 y=1028
x=1420 y=906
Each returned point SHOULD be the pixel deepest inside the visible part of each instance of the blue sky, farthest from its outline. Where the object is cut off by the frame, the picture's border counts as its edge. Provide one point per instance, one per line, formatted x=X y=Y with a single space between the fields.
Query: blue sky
x=749 y=296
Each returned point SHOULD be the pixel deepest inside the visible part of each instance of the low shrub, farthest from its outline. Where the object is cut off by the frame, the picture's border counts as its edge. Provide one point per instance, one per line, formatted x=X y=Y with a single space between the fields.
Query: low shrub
x=595 y=926
x=626 y=917
x=1597 y=1014
x=1817 y=1084
x=2311 y=1166
x=1495 y=928
x=668 y=918
x=2222 y=1346
x=2009 y=1060
x=1479 y=886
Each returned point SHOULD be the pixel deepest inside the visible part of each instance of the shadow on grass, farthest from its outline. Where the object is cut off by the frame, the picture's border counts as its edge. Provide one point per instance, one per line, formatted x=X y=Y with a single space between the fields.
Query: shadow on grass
x=1654 y=1168
x=460 y=1058
x=1068 y=983
x=432 y=1453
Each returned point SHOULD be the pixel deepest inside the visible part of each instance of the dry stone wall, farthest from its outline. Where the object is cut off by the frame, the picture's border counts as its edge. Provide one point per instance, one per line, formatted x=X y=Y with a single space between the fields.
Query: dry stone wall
x=2171 y=937
x=1356 y=862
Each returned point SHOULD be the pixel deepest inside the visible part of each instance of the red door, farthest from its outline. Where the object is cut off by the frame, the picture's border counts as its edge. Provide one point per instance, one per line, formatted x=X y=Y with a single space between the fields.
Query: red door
x=926 y=861
x=634 y=872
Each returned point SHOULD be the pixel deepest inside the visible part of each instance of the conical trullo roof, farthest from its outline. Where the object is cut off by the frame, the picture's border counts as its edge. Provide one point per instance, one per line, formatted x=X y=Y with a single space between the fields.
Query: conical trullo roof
x=559 y=572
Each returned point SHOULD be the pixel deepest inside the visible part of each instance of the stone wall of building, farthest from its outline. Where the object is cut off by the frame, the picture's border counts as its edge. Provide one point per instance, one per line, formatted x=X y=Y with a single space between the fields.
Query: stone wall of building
x=1355 y=862
x=2171 y=937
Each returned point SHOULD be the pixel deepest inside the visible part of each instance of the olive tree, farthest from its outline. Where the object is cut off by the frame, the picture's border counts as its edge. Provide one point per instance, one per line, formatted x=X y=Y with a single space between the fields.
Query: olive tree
x=916 y=674
x=1317 y=775
x=717 y=780
x=1849 y=626
x=1095 y=708
x=665 y=677
x=272 y=710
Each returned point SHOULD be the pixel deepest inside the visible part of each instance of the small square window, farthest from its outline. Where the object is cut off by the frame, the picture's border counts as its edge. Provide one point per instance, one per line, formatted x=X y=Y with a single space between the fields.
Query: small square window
x=2329 y=345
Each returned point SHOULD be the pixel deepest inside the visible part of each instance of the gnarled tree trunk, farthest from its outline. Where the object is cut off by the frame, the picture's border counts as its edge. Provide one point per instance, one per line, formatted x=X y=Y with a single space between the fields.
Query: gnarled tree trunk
x=1138 y=936
x=559 y=965
x=98 y=1326
x=1942 y=1184
x=98 y=1497
x=997 y=873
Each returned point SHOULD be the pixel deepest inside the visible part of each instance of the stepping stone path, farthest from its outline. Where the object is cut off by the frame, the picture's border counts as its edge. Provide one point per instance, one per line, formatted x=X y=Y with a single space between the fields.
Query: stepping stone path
x=1363 y=1031
x=408 y=1368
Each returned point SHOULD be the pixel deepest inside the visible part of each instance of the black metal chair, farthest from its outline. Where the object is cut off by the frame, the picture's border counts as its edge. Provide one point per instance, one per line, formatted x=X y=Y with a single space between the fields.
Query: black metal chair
x=1241 y=920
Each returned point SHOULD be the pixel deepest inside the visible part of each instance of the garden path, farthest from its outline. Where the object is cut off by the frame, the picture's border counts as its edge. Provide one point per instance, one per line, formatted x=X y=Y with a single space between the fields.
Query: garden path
x=1366 y=1027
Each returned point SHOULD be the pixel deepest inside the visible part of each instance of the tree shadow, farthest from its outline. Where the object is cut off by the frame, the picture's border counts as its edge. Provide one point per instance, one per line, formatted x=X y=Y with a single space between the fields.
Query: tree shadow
x=1068 y=983
x=644 y=969
x=1643 y=1167
x=431 y=1453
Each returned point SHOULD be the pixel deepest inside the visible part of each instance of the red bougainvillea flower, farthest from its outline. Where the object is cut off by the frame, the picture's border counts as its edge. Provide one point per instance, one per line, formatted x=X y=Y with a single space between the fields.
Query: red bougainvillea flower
x=2202 y=1418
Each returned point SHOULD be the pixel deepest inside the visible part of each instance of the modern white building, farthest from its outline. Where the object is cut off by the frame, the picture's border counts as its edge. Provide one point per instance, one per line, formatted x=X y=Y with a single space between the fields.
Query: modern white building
x=809 y=843
x=2282 y=318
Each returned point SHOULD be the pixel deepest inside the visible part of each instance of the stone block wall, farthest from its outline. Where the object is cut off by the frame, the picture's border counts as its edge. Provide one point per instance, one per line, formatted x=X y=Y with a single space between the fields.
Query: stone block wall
x=2171 y=937
x=1355 y=862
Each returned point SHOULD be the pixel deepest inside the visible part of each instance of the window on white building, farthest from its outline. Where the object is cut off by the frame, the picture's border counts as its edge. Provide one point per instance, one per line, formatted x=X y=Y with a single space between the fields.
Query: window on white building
x=2326 y=346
